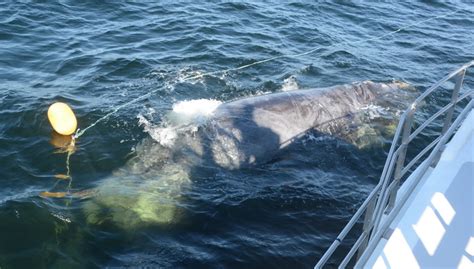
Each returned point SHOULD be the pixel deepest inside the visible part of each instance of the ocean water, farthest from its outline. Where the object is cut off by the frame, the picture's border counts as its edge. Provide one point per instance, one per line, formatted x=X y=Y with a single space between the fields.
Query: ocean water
x=98 y=55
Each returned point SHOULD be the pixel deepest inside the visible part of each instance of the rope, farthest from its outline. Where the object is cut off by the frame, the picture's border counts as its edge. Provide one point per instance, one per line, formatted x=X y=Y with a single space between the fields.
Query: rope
x=79 y=132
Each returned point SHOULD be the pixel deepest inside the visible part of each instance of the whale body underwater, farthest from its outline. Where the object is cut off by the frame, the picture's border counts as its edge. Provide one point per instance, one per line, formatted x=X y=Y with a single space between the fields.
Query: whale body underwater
x=239 y=134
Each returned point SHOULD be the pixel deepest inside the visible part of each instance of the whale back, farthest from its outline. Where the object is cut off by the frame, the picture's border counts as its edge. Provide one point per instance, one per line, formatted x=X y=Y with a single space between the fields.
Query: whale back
x=149 y=189
x=252 y=130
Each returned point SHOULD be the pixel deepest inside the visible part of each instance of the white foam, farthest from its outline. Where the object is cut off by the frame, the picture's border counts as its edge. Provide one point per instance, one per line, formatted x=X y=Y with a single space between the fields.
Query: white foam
x=374 y=111
x=290 y=84
x=190 y=76
x=199 y=107
x=192 y=111
x=186 y=116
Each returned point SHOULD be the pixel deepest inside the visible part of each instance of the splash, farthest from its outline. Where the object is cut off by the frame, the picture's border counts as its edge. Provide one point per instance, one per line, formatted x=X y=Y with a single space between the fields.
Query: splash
x=186 y=116
x=196 y=108
x=290 y=84
x=374 y=111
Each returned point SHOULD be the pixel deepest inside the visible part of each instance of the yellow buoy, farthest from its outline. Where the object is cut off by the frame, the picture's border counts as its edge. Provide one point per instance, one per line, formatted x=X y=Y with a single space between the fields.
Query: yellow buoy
x=62 y=118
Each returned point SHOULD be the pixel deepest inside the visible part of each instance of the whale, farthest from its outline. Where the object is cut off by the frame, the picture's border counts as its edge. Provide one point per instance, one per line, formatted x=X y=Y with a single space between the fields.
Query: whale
x=252 y=130
x=242 y=133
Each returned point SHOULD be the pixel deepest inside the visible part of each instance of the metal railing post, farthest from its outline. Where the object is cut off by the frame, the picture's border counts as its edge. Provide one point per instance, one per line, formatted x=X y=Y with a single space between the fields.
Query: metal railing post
x=368 y=224
x=454 y=100
x=401 y=157
x=381 y=201
x=449 y=115
x=361 y=263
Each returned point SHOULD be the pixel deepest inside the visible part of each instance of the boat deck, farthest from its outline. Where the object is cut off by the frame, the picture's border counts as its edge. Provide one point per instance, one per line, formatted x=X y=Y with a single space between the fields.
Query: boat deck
x=435 y=227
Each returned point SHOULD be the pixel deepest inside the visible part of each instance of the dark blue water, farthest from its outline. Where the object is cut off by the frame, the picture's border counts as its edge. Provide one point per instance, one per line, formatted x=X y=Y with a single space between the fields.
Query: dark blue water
x=96 y=55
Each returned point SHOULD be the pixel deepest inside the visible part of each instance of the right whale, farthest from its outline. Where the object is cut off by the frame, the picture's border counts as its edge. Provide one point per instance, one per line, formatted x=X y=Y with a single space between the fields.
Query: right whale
x=252 y=130
x=150 y=187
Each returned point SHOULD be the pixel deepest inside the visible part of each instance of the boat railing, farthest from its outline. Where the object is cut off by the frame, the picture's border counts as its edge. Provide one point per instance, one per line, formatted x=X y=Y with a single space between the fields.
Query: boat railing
x=382 y=202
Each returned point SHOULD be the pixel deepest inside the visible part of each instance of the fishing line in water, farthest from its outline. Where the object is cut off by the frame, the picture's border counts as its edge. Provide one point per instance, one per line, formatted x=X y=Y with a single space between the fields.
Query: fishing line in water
x=70 y=150
x=79 y=132
x=68 y=164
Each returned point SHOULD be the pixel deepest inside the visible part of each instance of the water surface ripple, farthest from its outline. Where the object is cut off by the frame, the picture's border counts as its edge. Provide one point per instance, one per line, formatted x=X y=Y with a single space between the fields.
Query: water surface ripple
x=96 y=55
